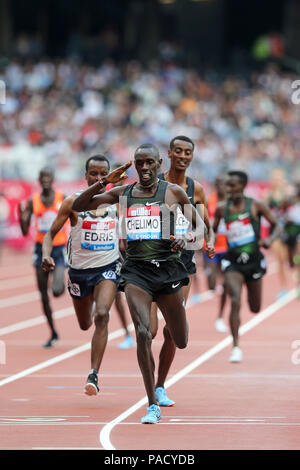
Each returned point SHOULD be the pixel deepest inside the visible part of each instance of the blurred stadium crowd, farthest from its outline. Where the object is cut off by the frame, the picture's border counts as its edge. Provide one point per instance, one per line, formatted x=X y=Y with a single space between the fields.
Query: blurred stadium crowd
x=60 y=112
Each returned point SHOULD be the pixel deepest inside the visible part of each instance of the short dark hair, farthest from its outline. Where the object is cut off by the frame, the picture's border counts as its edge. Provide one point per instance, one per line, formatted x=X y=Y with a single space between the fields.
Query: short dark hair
x=97 y=158
x=243 y=177
x=47 y=169
x=146 y=147
x=181 y=137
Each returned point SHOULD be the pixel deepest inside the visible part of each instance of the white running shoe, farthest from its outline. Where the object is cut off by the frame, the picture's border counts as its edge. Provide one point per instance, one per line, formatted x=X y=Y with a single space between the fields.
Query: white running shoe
x=236 y=355
x=220 y=325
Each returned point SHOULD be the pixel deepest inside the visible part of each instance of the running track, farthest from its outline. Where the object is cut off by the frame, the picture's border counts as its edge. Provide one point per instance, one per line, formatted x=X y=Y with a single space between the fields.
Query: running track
x=252 y=405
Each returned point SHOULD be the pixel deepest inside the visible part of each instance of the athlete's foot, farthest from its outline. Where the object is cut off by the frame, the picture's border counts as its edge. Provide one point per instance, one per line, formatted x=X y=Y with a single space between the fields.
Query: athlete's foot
x=220 y=325
x=54 y=338
x=236 y=355
x=127 y=343
x=162 y=398
x=153 y=416
x=91 y=387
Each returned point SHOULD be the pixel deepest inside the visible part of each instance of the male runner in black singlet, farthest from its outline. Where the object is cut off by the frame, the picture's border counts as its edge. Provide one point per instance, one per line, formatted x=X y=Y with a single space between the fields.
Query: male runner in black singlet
x=243 y=262
x=152 y=269
x=180 y=153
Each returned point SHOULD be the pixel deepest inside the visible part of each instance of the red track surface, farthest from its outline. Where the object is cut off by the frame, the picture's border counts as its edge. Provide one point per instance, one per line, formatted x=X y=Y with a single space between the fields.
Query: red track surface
x=219 y=405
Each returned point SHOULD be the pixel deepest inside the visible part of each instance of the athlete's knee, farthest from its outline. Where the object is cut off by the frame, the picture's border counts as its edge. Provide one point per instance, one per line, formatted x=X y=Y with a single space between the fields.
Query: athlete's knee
x=143 y=335
x=84 y=325
x=182 y=343
x=58 y=290
x=255 y=308
x=181 y=340
x=101 y=317
x=235 y=302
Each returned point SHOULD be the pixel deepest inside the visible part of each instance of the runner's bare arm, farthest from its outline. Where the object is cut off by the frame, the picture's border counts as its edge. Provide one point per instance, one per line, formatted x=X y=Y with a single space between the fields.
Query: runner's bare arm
x=91 y=199
x=201 y=206
x=179 y=196
x=25 y=213
x=65 y=212
x=218 y=216
x=262 y=209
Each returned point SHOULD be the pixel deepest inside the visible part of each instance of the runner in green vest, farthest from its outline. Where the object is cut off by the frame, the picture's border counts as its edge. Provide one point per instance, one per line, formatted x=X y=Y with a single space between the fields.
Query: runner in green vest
x=244 y=262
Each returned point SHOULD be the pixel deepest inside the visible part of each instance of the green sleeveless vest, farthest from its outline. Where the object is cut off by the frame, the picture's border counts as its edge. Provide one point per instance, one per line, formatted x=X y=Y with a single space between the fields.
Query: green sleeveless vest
x=243 y=231
x=148 y=225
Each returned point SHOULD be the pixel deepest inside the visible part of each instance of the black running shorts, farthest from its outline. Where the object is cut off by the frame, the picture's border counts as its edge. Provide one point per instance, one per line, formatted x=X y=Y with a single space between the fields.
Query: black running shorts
x=155 y=277
x=189 y=260
x=252 y=268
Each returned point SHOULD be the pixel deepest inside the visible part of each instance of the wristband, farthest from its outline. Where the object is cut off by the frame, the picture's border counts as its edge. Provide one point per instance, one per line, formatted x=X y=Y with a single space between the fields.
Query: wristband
x=102 y=182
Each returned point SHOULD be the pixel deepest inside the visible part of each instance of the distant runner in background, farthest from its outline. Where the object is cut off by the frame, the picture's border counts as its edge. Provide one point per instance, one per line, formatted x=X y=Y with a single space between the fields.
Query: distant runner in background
x=243 y=263
x=276 y=197
x=212 y=266
x=291 y=234
x=45 y=206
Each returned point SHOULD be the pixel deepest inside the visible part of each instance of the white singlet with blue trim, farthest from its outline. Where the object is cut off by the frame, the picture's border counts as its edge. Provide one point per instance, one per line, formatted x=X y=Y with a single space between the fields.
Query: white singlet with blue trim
x=94 y=241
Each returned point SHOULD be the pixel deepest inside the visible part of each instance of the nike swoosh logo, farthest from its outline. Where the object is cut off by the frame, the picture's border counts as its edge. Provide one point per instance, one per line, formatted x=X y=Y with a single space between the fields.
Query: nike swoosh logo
x=175 y=285
x=151 y=203
x=243 y=216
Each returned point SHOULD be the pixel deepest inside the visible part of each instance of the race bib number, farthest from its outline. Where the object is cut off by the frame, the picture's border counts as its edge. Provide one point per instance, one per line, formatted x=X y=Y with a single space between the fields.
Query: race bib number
x=240 y=232
x=222 y=227
x=45 y=221
x=182 y=224
x=98 y=235
x=143 y=223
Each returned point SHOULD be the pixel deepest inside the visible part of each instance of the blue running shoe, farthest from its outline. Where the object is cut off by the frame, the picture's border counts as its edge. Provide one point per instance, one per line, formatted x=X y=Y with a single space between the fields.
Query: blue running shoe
x=153 y=415
x=162 y=397
x=127 y=343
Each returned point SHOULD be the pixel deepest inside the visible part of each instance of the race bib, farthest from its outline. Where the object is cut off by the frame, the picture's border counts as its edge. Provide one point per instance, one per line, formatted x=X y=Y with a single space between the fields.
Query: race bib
x=98 y=235
x=45 y=221
x=293 y=214
x=240 y=232
x=143 y=223
x=222 y=227
x=182 y=224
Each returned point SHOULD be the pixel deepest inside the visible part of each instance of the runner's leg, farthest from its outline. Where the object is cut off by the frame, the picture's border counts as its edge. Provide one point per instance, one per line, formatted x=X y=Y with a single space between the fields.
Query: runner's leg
x=233 y=285
x=104 y=295
x=172 y=306
x=168 y=349
x=42 y=282
x=139 y=303
x=254 y=295
x=58 y=281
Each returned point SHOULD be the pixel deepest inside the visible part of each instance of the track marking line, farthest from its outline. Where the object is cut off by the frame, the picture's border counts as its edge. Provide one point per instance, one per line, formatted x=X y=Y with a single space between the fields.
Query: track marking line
x=62 y=357
x=20 y=299
x=22 y=325
x=104 y=435
x=17 y=282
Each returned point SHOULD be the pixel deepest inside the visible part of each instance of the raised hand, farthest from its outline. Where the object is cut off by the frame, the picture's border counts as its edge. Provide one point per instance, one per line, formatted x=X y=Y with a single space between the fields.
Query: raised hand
x=119 y=174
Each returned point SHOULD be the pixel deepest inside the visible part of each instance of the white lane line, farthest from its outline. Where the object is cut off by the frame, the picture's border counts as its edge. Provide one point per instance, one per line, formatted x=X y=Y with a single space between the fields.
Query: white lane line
x=20 y=299
x=73 y=352
x=17 y=282
x=59 y=358
x=104 y=436
x=22 y=325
